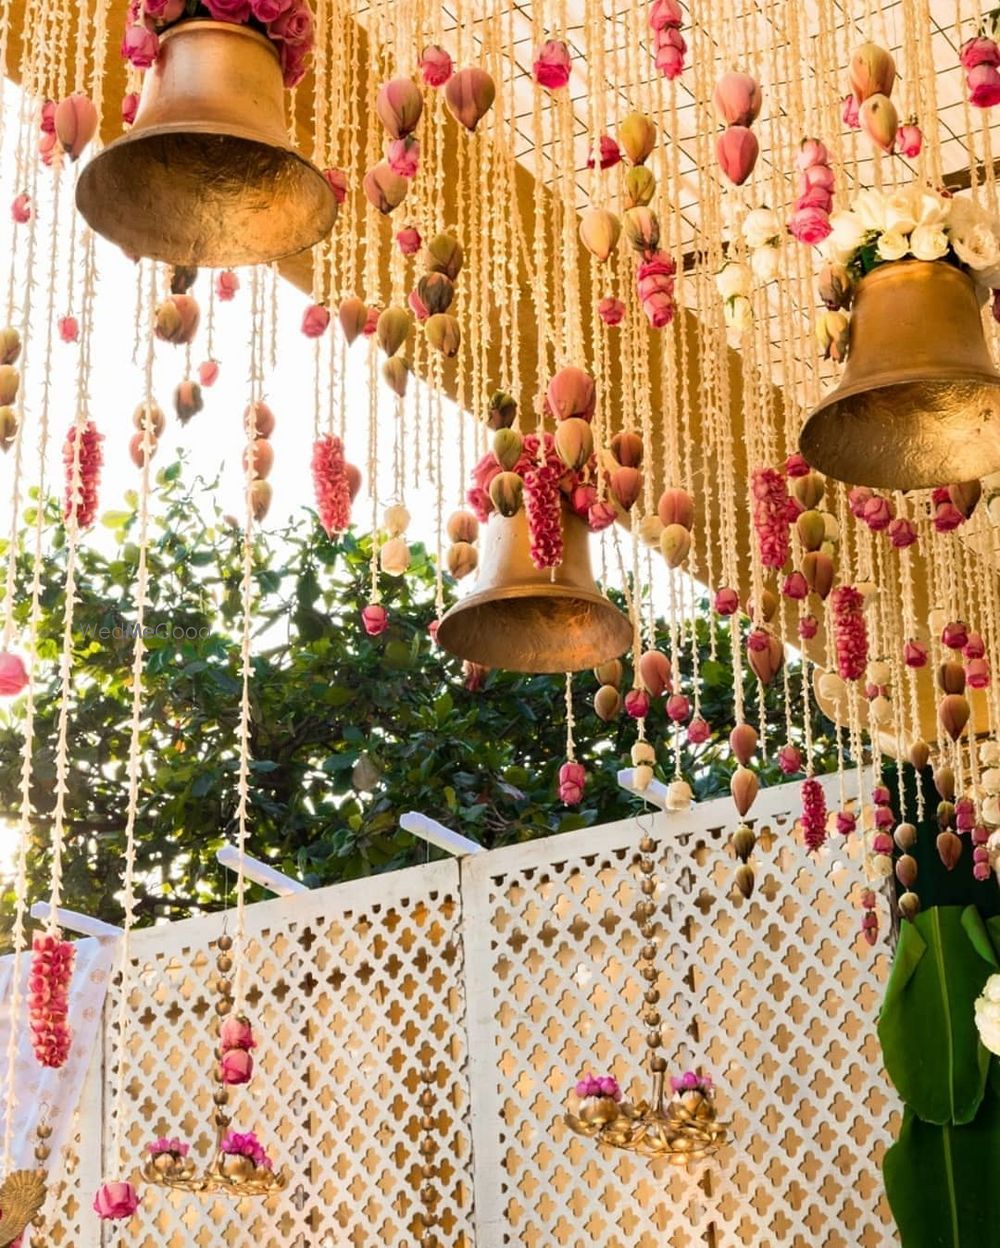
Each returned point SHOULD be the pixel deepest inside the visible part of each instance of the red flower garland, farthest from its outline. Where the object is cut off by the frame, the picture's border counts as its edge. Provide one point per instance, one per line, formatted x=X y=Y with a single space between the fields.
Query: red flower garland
x=813 y=814
x=83 y=504
x=333 y=493
x=850 y=632
x=48 y=1000
x=773 y=512
x=542 y=503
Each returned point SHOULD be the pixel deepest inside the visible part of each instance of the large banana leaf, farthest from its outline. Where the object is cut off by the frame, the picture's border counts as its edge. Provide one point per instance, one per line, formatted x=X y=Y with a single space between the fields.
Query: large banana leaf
x=943 y=1183
x=927 y=1025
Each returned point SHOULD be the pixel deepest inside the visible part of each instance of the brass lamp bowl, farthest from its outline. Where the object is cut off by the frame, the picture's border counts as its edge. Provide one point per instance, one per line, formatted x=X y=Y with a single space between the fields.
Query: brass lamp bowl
x=919 y=402
x=207 y=175
x=525 y=619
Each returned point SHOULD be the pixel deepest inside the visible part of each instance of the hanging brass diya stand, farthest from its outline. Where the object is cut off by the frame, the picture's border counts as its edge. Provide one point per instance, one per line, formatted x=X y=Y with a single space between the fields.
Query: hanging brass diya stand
x=679 y=1127
x=230 y=1174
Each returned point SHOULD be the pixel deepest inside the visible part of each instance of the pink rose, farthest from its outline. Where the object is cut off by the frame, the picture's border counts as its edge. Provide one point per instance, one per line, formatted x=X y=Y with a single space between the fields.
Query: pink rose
x=820 y=197
x=294 y=26
x=236 y=1067
x=572 y=779
x=552 y=65
x=808 y=627
x=979 y=51
x=315 y=321
x=13 y=675
x=294 y=58
x=140 y=46
x=600 y=516
x=208 y=372
x=902 y=533
x=812 y=154
x=236 y=1033
x=336 y=180
x=226 y=285
x=403 y=156
x=983 y=82
x=611 y=311
x=130 y=106
x=375 y=619
x=726 y=602
x=267 y=11
x=69 y=329
x=116 y=1200
x=659 y=309
x=909 y=140
x=408 y=241
x=809 y=225
x=237 y=11
x=20 y=209
x=849 y=112
x=608 y=153
x=47 y=117
x=417 y=305
x=665 y=13
x=879 y=513
x=670 y=52
x=435 y=65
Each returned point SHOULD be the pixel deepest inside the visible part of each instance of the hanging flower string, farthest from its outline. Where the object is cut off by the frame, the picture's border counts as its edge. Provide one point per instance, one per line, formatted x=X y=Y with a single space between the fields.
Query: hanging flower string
x=849 y=631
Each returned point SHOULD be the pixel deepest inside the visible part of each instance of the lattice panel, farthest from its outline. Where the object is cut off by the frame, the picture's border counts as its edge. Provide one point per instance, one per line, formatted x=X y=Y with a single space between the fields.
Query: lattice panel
x=351 y=989
x=777 y=998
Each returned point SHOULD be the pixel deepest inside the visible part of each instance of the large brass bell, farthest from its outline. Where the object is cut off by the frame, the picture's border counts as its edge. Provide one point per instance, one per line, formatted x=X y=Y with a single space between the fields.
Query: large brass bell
x=919 y=403
x=206 y=175
x=526 y=619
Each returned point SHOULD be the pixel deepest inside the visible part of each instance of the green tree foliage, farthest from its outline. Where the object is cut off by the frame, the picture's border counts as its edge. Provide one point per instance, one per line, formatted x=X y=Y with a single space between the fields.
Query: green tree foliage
x=348 y=731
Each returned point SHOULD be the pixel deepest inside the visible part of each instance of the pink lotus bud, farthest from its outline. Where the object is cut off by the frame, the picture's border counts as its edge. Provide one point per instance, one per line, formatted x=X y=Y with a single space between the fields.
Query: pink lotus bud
x=664 y=14
x=654 y=671
x=208 y=372
x=574 y=442
x=818 y=570
x=601 y=516
x=736 y=150
x=235 y=1032
x=953 y=712
x=469 y=96
x=637 y=703
x=675 y=544
x=902 y=533
x=69 y=329
x=795 y=587
x=626 y=447
x=808 y=627
x=176 y=319
x=571 y=392
x=607 y=703
x=983 y=82
x=698 y=731
x=611 y=311
x=676 y=506
x=443 y=334
x=403 y=156
x=626 y=486
x=949 y=848
x=766 y=661
x=462 y=527
x=226 y=286
x=979 y=51
x=599 y=232
x=744 y=786
x=572 y=780
x=435 y=65
x=336 y=180
x=353 y=315
x=552 y=65
x=849 y=112
x=236 y=1067
x=384 y=189
x=977 y=673
x=393 y=328
x=608 y=153
x=915 y=654
x=909 y=140
x=637 y=135
x=399 y=105
x=726 y=601
x=130 y=106
x=20 y=209
x=873 y=72
x=955 y=635
x=678 y=708
x=880 y=121
x=187 y=401
x=811 y=529
x=743 y=743
x=76 y=124
x=974 y=648
x=737 y=99
x=115 y=1201
x=315 y=321
x=408 y=240
x=140 y=46
x=13 y=675
x=375 y=619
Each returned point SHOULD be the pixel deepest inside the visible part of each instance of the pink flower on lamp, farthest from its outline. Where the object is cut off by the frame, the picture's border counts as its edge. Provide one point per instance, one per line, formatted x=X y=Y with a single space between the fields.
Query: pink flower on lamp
x=13 y=675
x=598 y=1085
x=115 y=1201
x=572 y=780
x=246 y=1144
x=690 y=1082
x=375 y=618
x=435 y=65
x=175 y=1148
x=552 y=65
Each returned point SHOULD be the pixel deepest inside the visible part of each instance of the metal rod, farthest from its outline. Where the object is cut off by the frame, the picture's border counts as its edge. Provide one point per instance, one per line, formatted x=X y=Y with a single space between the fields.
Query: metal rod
x=655 y=792
x=274 y=881
x=72 y=921
x=437 y=834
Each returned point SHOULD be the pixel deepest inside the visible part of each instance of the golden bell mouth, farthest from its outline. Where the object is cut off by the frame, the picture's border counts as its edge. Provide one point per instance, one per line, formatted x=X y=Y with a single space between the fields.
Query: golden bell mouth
x=919 y=402
x=206 y=176
x=521 y=619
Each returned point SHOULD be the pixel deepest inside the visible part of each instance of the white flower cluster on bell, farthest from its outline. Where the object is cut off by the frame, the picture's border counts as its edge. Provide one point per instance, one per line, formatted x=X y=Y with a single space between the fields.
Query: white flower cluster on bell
x=763 y=232
x=919 y=223
x=988 y=1015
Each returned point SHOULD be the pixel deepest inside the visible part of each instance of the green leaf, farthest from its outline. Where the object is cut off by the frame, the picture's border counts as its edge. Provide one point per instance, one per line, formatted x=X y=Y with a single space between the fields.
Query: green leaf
x=927 y=1027
x=943 y=1182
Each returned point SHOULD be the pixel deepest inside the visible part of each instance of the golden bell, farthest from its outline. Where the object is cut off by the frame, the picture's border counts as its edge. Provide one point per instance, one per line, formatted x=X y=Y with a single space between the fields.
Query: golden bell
x=525 y=619
x=919 y=403
x=206 y=175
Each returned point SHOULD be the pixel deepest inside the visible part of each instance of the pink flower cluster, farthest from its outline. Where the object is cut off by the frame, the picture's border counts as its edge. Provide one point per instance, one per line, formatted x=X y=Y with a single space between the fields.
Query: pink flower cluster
x=773 y=514
x=82 y=504
x=690 y=1081
x=980 y=59
x=246 y=1144
x=176 y=1148
x=333 y=493
x=947 y=517
x=542 y=504
x=810 y=219
x=654 y=279
x=849 y=631
x=435 y=65
x=48 y=999
x=235 y=1042
x=665 y=20
x=115 y=1201
x=287 y=23
x=813 y=814
x=599 y=1085
x=572 y=780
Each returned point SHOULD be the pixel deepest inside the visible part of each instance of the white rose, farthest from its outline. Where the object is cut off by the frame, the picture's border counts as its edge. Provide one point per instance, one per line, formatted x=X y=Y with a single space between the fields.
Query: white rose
x=848 y=232
x=991 y=779
x=933 y=209
x=764 y=261
x=901 y=213
x=732 y=280
x=870 y=208
x=988 y=1015
x=929 y=242
x=989 y=751
x=760 y=227
x=739 y=314
x=978 y=248
x=991 y=991
x=892 y=246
